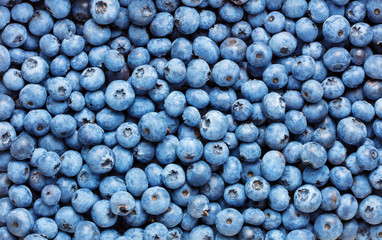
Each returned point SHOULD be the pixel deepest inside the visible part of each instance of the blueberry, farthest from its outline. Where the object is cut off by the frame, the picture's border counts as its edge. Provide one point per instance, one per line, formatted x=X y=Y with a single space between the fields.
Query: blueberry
x=328 y=226
x=229 y=222
x=19 y=222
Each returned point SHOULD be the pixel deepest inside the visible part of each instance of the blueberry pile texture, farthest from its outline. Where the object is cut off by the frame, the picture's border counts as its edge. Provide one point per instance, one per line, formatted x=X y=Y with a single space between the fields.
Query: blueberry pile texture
x=190 y=119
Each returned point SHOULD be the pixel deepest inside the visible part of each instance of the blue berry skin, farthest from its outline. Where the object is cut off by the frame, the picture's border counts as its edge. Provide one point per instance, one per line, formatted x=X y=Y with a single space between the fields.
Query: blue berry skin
x=272 y=165
x=303 y=67
x=317 y=177
x=336 y=29
x=96 y=34
x=353 y=76
x=341 y=178
x=207 y=19
x=367 y=157
x=307 y=198
x=337 y=59
x=100 y=159
x=174 y=104
x=218 y=32
x=328 y=226
x=370 y=209
x=259 y=54
x=229 y=222
x=50 y=195
x=119 y=95
x=165 y=150
x=14 y=35
x=373 y=11
x=312 y=91
x=213 y=126
x=372 y=65
x=95 y=101
x=241 y=109
x=67 y=219
x=361 y=34
x=283 y=44
x=276 y=136
x=294 y=8
x=137 y=219
x=20 y=196
x=122 y=203
x=13 y=80
x=198 y=73
x=273 y=106
x=171 y=218
x=340 y=107
x=333 y=87
x=273 y=221
x=153 y=172
x=274 y=22
x=83 y=199
x=6 y=15
x=198 y=173
x=34 y=69
x=224 y=77
x=291 y=178
x=221 y=99
x=231 y=13
x=254 y=90
x=313 y=155
x=64 y=28
x=253 y=216
x=361 y=187
x=46 y=227
x=141 y=13
x=331 y=199
x=155 y=230
x=257 y=188
x=216 y=153
x=136 y=181
x=295 y=121
x=86 y=229
x=275 y=76
x=186 y=20
x=144 y=77
x=90 y=134
x=293 y=219
x=374 y=178
x=350 y=229
x=159 y=46
x=206 y=49
x=8 y=107
x=155 y=200
x=293 y=99
x=73 y=45
x=173 y=176
x=40 y=23
x=278 y=198
x=300 y=234
x=104 y=12
x=351 y=131
x=162 y=24
x=19 y=222
x=191 y=116
x=60 y=66
x=92 y=78
x=198 y=206
x=49 y=164
x=318 y=11
x=102 y=215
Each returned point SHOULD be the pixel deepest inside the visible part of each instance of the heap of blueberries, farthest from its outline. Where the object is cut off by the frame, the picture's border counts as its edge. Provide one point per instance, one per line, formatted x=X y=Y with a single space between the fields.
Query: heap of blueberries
x=190 y=119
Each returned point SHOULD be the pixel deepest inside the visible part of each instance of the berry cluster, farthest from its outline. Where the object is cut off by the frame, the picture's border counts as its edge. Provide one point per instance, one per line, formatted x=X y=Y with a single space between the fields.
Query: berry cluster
x=190 y=119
